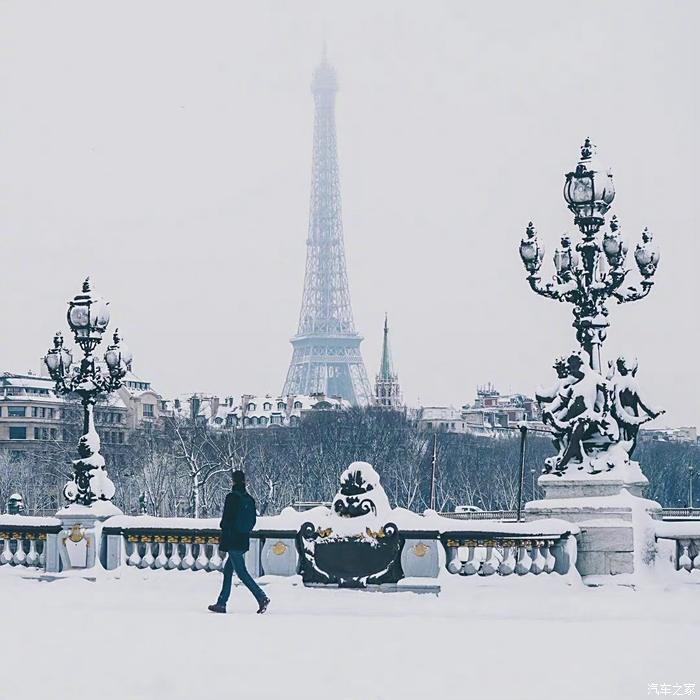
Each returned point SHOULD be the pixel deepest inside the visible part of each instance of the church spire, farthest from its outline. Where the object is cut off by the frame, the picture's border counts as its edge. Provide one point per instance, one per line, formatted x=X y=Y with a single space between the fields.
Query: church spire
x=386 y=369
x=387 y=392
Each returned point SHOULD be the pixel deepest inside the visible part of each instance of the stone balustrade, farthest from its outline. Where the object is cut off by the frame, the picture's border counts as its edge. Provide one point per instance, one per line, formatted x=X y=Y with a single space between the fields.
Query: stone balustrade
x=487 y=554
x=688 y=554
x=180 y=544
x=505 y=515
x=685 y=534
x=27 y=541
x=184 y=544
x=174 y=552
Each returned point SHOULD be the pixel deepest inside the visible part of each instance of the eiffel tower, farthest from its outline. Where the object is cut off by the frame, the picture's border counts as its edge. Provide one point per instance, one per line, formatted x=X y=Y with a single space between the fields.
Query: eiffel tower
x=326 y=357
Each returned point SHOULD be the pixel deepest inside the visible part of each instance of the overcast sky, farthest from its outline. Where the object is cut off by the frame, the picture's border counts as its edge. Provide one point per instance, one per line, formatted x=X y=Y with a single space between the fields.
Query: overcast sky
x=164 y=148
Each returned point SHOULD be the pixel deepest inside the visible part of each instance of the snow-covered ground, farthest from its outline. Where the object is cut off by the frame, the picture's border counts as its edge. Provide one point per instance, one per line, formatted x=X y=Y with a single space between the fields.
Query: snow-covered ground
x=148 y=635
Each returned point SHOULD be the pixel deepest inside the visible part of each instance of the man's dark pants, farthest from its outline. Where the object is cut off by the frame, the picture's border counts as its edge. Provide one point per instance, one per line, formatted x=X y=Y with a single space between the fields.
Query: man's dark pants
x=236 y=561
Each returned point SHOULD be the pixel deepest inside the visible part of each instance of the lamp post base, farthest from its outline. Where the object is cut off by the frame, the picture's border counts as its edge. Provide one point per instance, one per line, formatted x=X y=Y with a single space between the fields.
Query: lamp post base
x=576 y=483
x=616 y=523
x=79 y=543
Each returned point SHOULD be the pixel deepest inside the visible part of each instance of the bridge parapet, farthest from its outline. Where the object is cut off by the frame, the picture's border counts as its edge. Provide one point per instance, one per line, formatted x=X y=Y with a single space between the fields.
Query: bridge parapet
x=685 y=538
x=28 y=541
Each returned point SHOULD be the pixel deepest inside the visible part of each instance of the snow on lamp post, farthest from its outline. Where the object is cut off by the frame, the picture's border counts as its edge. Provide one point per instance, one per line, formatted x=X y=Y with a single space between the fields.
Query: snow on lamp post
x=594 y=418
x=88 y=318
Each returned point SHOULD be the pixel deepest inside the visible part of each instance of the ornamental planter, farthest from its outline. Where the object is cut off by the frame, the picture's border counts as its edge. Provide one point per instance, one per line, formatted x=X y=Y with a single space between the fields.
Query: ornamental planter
x=351 y=561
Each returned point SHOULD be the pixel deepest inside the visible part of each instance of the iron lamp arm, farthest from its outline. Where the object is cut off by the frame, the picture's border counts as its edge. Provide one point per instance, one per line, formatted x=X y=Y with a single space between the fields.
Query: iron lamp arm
x=633 y=293
x=548 y=289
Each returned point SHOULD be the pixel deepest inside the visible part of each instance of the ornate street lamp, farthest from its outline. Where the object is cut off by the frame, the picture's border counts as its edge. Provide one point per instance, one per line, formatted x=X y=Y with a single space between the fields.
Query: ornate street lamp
x=88 y=318
x=594 y=271
x=691 y=471
x=594 y=418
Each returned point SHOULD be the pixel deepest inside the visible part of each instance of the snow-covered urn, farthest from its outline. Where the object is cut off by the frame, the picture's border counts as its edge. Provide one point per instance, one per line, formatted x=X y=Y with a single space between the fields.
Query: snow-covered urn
x=15 y=504
x=354 y=543
x=361 y=501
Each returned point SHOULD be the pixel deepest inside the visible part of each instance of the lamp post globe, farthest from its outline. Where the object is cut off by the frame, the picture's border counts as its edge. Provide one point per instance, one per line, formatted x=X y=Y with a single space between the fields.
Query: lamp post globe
x=531 y=251
x=565 y=258
x=647 y=255
x=589 y=191
x=58 y=360
x=118 y=357
x=88 y=317
x=614 y=247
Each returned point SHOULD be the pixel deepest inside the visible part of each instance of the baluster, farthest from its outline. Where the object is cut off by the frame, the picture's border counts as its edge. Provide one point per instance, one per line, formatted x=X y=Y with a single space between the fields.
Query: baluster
x=507 y=565
x=32 y=556
x=161 y=560
x=174 y=561
x=524 y=559
x=188 y=560
x=19 y=557
x=696 y=559
x=472 y=564
x=454 y=565
x=147 y=559
x=202 y=560
x=6 y=555
x=135 y=557
x=42 y=555
x=216 y=562
x=684 y=561
x=549 y=561
x=490 y=565
x=537 y=566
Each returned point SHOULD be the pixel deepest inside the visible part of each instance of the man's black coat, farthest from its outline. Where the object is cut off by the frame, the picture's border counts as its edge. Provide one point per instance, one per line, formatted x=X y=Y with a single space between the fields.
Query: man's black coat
x=231 y=539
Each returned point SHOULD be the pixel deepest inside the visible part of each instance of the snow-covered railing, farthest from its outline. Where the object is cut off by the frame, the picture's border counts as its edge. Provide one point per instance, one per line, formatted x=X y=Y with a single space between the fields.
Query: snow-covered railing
x=481 y=515
x=511 y=548
x=680 y=513
x=179 y=544
x=686 y=535
x=23 y=540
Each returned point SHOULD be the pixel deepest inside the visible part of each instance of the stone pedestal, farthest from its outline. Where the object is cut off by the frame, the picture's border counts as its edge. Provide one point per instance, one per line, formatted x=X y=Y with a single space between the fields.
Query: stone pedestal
x=78 y=545
x=616 y=523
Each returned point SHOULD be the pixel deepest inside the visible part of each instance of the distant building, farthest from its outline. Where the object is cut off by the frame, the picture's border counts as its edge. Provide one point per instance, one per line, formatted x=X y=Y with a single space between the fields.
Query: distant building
x=441 y=419
x=32 y=413
x=387 y=392
x=490 y=412
x=252 y=411
x=684 y=434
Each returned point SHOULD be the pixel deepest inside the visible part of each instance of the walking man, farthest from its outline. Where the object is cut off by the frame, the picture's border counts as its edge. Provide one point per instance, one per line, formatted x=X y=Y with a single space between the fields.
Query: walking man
x=237 y=522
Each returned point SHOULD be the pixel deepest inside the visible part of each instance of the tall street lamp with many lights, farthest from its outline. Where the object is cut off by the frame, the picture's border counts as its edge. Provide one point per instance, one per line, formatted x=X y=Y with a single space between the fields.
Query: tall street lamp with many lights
x=88 y=318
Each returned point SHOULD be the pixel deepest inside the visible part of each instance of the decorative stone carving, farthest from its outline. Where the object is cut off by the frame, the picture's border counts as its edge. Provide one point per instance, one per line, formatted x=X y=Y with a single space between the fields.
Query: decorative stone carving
x=355 y=545
x=594 y=419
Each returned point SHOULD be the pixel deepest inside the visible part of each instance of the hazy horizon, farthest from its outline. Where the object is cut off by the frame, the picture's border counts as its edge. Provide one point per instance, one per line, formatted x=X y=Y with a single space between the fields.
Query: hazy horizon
x=164 y=149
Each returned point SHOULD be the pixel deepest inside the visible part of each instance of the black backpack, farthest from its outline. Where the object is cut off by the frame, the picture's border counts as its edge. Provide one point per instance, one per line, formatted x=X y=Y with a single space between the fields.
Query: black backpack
x=245 y=519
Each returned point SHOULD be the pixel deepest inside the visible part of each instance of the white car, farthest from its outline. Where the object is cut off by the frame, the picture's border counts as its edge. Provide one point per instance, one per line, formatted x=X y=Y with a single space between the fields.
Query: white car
x=468 y=509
